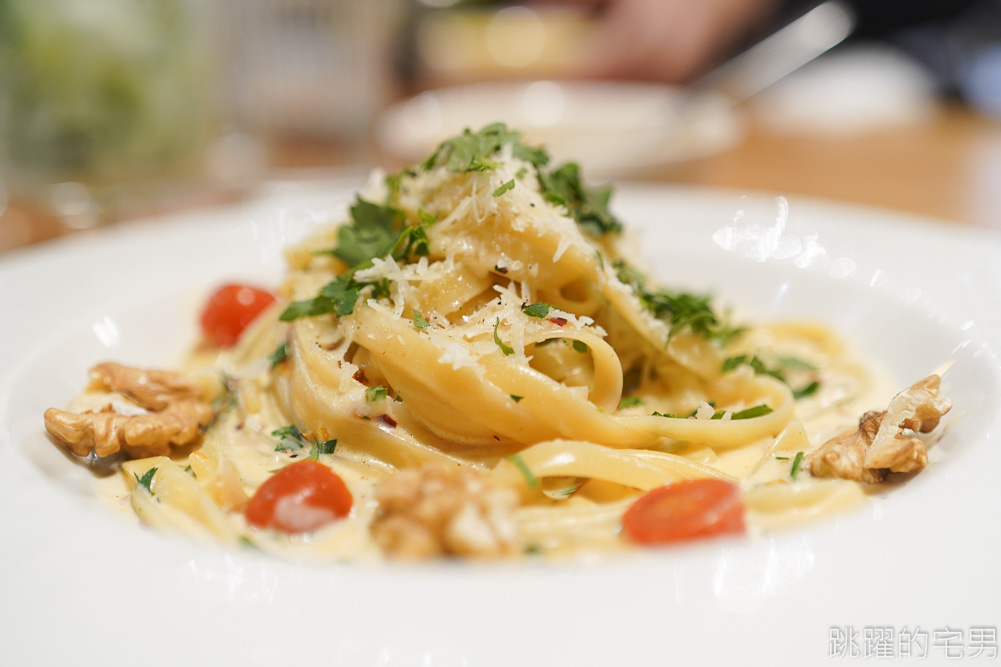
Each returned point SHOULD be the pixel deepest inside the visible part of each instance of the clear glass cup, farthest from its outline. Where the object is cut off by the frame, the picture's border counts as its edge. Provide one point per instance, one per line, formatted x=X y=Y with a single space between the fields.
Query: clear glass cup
x=105 y=105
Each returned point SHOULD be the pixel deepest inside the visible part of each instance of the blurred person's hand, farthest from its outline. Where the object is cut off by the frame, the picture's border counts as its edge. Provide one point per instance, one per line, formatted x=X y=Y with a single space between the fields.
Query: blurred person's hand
x=667 y=40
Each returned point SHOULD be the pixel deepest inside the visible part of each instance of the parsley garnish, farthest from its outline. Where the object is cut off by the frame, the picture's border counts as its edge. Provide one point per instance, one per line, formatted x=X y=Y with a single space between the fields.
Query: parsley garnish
x=808 y=390
x=580 y=346
x=630 y=402
x=781 y=458
x=539 y=309
x=289 y=438
x=372 y=231
x=506 y=349
x=504 y=188
x=778 y=372
x=516 y=398
x=327 y=447
x=338 y=297
x=796 y=463
x=146 y=480
x=279 y=355
x=419 y=320
x=750 y=413
x=471 y=151
x=588 y=206
x=679 y=310
x=516 y=459
x=376 y=231
x=376 y=393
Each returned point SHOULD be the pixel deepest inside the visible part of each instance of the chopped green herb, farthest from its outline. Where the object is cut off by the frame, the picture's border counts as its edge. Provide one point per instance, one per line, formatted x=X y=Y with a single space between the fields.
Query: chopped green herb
x=471 y=151
x=188 y=469
x=516 y=398
x=516 y=459
x=580 y=346
x=246 y=542
x=223 y=402
x=795 y=363
x=289 y=439
x=146 y=480
x=521 y=173
x=588 y=206
x=419 y=320
x=338 y=297
x=796 y=463
x=279 y=355
x=781 y=458
x=751 y=413
x=506 y=349
x=426 y=218
x=327 y=447
x=372 y=231
x=806 y=391
x=504 y=188
x=679 y=310
x=630 y=402
x=539 y=309
x=376 y=393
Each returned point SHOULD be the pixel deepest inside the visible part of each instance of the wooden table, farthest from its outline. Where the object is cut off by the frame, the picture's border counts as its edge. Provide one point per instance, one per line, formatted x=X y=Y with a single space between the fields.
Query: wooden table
x=949 y=168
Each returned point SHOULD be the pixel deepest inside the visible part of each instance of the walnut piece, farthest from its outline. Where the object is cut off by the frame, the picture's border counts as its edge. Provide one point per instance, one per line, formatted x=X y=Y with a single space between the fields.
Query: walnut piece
x=176 y=414
x=879 y=445
x=436 y=511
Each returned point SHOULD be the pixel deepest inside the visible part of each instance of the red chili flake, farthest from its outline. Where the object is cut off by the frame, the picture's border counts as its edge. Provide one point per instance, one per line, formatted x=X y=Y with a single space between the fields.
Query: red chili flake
x=558 y=321
x=360 y=377
x=388 y=421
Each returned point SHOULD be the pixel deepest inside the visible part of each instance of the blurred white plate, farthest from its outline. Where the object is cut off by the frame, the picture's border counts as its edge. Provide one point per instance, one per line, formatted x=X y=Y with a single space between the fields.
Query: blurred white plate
x=611 y=129
x=81 y=586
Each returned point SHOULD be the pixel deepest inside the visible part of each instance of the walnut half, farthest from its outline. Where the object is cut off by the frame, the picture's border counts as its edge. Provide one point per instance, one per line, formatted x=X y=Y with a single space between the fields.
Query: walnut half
x=879 y=445
x=436 y=511
x=171 y=412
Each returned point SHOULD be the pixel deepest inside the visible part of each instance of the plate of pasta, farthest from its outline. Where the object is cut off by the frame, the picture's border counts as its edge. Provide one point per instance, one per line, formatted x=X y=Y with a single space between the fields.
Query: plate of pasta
x=481 y=411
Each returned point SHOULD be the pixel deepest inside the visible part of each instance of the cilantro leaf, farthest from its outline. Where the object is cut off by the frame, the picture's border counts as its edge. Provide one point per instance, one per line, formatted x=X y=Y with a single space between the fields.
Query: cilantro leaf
x=588 y=206
x=504 y=188
x=539 y=309
x=506 y=349
x=146 y=480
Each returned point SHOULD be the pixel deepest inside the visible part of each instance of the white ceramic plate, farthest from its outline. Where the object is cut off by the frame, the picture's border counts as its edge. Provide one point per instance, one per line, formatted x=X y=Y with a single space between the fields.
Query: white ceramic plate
x=613 y=128
x=81 y=586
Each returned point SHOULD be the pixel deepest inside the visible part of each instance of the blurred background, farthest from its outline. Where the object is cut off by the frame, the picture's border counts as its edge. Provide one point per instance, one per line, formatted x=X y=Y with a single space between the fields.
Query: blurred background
x=115 y=109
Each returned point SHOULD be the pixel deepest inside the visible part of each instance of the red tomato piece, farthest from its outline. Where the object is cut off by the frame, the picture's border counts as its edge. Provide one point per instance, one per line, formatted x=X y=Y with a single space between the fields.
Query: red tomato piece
x=299 y=498
x=230 y=309
x=685 y=510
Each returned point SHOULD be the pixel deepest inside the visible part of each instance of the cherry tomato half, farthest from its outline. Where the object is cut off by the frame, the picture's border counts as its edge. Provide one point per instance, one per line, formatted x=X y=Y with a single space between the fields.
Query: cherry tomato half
x=299 y=498
x=230 y=309
x=685 y=510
